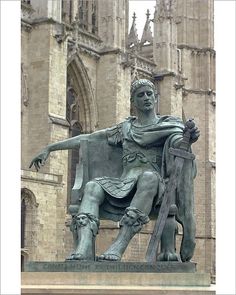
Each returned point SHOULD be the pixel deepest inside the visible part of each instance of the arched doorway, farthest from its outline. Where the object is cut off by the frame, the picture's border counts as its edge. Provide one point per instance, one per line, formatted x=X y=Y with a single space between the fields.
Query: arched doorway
x=81 y=110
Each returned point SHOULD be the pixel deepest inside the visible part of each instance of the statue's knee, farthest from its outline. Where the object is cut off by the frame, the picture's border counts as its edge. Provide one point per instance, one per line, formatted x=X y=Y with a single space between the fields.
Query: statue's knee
x=92 y=187
x=93 y=192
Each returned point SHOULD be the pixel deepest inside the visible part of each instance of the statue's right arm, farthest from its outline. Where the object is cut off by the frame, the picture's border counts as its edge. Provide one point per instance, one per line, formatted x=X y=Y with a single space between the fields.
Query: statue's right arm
x=70 y=143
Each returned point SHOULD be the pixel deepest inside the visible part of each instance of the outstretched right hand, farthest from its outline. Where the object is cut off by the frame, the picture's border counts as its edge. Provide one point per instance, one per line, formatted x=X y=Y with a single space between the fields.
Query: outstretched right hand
x=40 y=159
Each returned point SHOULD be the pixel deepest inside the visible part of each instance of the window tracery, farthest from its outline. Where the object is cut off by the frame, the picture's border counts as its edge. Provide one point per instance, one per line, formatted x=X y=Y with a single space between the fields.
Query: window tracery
x=72 y=116
x=66 y=8
x=87 y=16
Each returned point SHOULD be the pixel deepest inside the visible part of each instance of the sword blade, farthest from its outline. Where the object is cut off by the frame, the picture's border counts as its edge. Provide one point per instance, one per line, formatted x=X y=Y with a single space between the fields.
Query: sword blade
x=169 y=195
x=164 y=210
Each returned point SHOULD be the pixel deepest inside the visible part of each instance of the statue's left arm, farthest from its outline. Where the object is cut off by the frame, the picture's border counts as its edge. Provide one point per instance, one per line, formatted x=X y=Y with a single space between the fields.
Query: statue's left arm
x=70 y=143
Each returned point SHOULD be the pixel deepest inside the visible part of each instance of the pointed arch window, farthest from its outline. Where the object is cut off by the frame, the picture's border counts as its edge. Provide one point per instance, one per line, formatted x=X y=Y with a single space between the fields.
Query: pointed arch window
x=83 y=14
x=28 y=223
x=83 y=118
x=87 y=15
x=66 y=10
x=28 y=218
x=72 y=116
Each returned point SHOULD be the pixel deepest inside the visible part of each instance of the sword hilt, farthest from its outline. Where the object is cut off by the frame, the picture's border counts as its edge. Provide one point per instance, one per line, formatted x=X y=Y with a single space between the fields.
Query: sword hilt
x=184 y=145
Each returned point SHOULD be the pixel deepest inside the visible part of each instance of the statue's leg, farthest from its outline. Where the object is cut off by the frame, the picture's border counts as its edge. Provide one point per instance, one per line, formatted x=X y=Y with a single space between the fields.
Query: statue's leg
x=147 y=187
x=185 y=216
x=135 y=216
x=188 y=242
x=93 y=197
x=168 y=238
x=86 y=222
x=130 y=224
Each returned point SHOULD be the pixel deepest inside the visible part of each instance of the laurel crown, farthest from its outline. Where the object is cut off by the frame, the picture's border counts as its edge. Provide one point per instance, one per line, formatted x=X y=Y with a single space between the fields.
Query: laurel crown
x=139 y=83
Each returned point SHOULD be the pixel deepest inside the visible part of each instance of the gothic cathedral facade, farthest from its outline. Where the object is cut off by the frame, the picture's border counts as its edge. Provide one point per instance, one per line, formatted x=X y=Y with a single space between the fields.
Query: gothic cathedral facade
x=78 y=61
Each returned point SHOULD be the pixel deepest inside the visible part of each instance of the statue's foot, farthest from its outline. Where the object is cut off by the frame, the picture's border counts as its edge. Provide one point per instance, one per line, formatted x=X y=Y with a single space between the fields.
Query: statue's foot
x=187 y=249
x=109 y=257
x=168 y=256
x=78 y=256
x=70 y=257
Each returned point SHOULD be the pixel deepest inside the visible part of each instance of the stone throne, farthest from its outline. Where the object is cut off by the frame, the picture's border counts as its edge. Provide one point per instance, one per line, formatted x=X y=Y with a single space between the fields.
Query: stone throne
x=98 y=159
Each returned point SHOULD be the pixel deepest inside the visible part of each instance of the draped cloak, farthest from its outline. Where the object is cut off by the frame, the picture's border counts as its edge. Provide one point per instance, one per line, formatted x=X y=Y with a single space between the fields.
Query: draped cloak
x=145 y=148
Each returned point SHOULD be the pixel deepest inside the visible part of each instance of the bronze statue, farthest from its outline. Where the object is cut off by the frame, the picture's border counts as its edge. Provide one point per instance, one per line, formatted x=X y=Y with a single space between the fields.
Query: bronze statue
x=138 y=192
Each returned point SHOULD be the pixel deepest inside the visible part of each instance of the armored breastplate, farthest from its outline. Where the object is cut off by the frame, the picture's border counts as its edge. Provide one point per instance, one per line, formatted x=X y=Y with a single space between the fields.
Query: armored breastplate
x=133 y=152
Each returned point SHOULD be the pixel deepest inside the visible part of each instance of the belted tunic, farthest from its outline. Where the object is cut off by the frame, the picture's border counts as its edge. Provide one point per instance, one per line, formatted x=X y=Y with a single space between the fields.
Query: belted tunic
x=144 y=148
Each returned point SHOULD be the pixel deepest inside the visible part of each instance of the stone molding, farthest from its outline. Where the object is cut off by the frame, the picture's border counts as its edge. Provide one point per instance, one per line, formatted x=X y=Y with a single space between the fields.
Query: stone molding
x=87 y=50
x=147 y=74
x=59 y=121
x=197 y=50
x=90 y=40
x=145 y=64
x=26 y=26
x=42 y=20
x=84 y=42
x=46 y=178
x=138 y=63
x=186 y=91
x=160 y=75
x=164 y=44
x=105 y=51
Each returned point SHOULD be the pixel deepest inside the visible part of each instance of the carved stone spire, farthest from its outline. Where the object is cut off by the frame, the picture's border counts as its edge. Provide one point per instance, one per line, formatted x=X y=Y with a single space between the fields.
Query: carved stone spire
x=147 y=33
x=133 y=35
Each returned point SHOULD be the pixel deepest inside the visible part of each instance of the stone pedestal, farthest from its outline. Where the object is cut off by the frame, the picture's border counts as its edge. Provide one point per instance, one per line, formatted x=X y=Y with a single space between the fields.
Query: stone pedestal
x=106 y=266
x=114 y=278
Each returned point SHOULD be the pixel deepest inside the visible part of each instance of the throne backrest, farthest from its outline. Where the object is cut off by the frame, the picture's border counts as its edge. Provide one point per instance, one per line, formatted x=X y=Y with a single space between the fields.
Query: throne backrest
x=96 y=159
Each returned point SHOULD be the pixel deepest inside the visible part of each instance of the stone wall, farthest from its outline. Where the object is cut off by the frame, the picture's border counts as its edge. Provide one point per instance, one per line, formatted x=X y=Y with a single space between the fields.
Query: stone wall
x=102 y=83
x=113 y=94
x=46 y=63
x=46 y=188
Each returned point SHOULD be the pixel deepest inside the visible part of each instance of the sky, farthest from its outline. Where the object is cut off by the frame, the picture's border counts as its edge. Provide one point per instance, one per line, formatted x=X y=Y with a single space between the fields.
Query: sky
x=140 y=8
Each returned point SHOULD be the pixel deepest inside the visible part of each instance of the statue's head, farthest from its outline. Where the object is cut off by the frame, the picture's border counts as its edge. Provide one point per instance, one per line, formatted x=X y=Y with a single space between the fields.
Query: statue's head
x=82 y=219
x=143 y=94
x=139 y=83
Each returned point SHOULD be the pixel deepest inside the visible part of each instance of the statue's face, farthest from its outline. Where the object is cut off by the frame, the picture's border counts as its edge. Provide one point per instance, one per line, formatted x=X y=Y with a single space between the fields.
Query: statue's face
x=82 y=220
x=144 y=99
